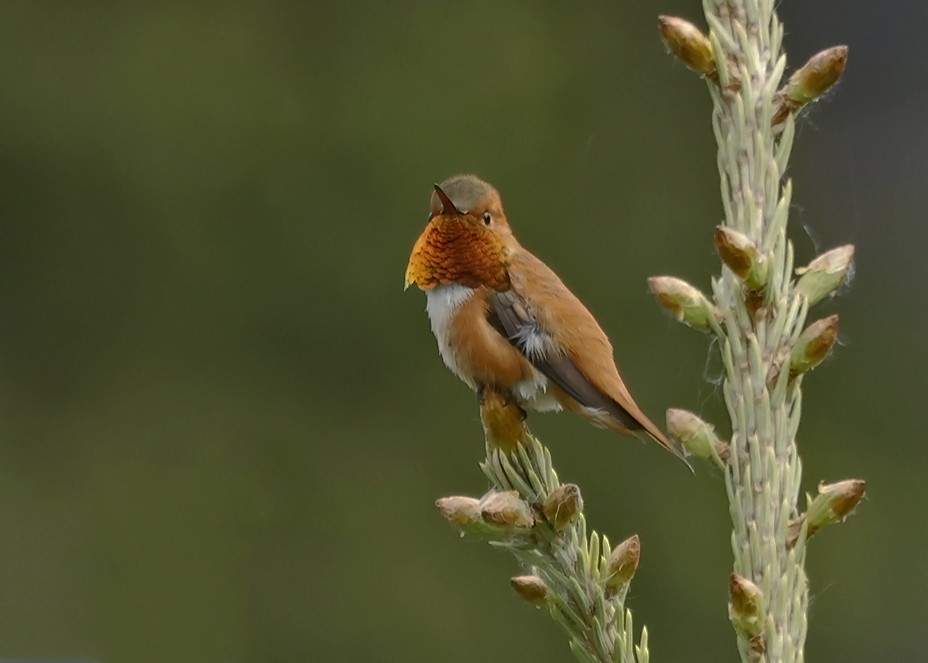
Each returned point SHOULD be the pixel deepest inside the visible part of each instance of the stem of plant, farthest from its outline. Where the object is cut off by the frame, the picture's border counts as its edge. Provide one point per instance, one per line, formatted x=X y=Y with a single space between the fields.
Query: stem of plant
x=760 y=314
x=574 y=574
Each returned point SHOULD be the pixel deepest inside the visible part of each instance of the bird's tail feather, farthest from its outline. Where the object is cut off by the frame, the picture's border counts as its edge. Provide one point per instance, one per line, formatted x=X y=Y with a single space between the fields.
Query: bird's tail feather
x=647 y=430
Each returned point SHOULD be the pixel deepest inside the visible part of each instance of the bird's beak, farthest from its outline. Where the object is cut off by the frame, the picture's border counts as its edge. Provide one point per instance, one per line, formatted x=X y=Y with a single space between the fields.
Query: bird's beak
x=447 y=207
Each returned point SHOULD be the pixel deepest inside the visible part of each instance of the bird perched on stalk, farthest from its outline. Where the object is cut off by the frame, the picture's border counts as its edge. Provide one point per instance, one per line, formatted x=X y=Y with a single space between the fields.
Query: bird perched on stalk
x=504 y=320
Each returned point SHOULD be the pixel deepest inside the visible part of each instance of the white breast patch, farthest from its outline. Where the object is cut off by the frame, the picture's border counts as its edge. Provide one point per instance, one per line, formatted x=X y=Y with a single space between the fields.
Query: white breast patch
x=441 y=303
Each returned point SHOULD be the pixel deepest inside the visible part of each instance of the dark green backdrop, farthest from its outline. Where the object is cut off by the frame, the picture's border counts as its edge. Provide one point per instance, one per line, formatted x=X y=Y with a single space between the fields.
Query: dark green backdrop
x=222 y=422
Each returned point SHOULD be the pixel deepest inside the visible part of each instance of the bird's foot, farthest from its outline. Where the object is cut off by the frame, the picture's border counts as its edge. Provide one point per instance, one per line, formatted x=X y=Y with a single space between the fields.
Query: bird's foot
x=503 y=419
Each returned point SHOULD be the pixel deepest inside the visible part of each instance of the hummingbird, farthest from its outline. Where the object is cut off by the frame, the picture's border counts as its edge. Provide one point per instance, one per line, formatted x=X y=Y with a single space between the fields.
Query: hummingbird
x=504 y=320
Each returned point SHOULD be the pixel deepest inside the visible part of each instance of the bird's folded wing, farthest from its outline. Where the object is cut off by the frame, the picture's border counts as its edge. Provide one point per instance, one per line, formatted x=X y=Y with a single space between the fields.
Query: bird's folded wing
x=512 y=318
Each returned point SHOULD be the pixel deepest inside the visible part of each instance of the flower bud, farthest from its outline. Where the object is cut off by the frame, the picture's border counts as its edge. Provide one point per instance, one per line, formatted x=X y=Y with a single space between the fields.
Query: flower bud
x=686 y=303
x=461 y=511
x=741 y=256
x=507 y=509
x=531 y=588
x=811 y=81
x=817 y=75
x=696 y=436
x=813 y=345
x=745 y=605
x=464 y=513
x=563 y=505
x=834 y=503
x=824 y=275
x=688 y=43
x=622 y=565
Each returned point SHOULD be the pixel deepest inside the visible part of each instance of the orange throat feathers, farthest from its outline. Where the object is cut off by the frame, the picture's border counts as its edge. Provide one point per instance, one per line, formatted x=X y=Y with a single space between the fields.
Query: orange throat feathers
x=458 y=248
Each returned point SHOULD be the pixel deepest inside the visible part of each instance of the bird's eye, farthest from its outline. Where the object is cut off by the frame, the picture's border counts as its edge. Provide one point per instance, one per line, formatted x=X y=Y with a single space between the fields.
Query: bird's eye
x=487 y=218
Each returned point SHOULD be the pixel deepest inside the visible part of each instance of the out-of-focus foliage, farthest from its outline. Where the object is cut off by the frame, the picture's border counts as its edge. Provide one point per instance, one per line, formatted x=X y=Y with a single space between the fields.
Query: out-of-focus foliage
x=223 y=424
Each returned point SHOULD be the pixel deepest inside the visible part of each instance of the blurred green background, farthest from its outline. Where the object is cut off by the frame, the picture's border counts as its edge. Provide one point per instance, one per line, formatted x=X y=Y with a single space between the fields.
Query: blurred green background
x=224 y=423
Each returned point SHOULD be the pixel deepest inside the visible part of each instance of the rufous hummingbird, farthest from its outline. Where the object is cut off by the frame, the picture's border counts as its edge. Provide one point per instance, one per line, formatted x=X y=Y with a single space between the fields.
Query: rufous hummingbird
x=503 y=319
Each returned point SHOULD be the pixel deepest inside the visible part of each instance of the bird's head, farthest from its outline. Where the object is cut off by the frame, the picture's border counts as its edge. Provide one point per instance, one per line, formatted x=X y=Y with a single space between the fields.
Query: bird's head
x=467 y=240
